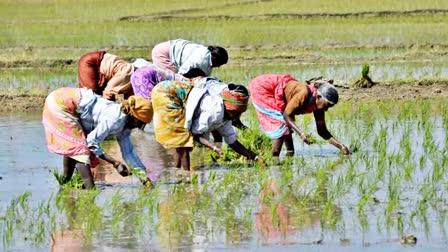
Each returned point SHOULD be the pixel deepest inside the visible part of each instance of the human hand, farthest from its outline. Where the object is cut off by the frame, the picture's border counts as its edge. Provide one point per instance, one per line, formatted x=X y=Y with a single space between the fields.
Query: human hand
x=140 y=173
x=345 y=150
x=122 y=169
x=217 y=150
x=260 y=161
x=146 y=182
x=306 y=138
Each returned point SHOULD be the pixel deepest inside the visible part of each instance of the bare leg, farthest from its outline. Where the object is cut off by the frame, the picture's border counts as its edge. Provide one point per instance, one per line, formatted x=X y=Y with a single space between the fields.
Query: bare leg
x=86 y=175
x=277 y=146
x=289 y=145
x=184 y=157
x=69 y=168
x=176 y=157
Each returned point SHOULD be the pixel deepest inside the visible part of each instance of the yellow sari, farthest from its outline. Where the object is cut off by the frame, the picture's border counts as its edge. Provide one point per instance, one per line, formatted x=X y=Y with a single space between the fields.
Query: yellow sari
x=168 y=101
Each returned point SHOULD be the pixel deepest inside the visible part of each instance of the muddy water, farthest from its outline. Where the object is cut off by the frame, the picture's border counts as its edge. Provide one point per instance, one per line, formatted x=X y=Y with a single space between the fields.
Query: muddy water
x=184 y=219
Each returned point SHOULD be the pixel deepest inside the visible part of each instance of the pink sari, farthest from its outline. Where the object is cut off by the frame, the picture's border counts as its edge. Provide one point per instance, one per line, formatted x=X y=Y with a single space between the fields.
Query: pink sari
x=160 y=56
x=267 y=94
x=63 y=131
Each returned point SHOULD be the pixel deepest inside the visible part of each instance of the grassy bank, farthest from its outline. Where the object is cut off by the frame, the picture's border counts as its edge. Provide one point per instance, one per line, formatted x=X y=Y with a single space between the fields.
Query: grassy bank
x=403 y=41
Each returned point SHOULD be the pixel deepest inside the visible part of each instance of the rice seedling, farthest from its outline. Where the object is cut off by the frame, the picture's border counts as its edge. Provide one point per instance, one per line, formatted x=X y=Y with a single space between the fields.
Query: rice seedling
x=225 y=203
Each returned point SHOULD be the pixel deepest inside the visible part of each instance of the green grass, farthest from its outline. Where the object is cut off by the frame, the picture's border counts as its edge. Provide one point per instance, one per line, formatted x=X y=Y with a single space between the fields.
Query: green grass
x=27 y=11
x=41 y=80
x=325 y=6
x=43 y=35
x=292 y=32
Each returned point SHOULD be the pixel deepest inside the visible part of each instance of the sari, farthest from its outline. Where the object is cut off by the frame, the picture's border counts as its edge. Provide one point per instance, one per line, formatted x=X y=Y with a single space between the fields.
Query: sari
x=168 y=101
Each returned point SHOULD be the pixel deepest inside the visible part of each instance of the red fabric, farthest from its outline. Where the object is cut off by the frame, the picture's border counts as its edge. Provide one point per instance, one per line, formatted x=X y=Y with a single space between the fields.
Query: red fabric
x=89 y=75
x=94 y=161
x=234 y=101
x=267 y=91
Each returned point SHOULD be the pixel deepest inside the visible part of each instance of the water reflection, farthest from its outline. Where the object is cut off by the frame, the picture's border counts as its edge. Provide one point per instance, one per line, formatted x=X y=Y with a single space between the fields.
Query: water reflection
x=394 y=184
x=82 y=218
x=288 y=217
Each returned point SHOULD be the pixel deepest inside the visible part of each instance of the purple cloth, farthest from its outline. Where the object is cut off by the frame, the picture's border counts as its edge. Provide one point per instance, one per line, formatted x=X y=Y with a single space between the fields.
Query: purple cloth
x=144 y=79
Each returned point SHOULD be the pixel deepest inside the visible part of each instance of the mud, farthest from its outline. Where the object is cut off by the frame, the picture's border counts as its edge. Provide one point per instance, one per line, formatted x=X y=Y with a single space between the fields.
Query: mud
x=249 y=54
x=174 y=14
x=170 y=14
x=423 y=89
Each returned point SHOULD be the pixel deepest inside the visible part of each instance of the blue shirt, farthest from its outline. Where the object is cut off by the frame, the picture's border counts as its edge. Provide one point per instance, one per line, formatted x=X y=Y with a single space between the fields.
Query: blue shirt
x=101 y=118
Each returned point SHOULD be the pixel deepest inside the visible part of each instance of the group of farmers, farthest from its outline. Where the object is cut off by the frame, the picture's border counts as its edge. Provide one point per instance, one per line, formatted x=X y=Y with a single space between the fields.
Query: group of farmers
x=176 y=92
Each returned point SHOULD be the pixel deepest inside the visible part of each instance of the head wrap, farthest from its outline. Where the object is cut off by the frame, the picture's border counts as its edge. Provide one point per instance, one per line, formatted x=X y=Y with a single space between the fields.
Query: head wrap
x=325 y=89
x=138 y=107
x=235 y=100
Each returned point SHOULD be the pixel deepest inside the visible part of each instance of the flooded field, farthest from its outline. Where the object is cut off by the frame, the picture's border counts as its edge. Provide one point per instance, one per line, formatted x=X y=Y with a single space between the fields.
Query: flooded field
x=390 y=195
x=390 y=191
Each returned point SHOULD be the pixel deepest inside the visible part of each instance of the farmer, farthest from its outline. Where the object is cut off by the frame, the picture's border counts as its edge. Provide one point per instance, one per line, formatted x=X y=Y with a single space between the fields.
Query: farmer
x=144 y=79
x=278 y=98
x=106 y=74
x=182 y=55
x=178 y=122
x=76 y=121
x=215 y=86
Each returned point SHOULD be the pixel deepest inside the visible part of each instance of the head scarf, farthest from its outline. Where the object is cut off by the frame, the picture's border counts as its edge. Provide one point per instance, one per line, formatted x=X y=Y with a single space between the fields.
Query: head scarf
x=235 y=100
x=138 y=107
x=325 y=89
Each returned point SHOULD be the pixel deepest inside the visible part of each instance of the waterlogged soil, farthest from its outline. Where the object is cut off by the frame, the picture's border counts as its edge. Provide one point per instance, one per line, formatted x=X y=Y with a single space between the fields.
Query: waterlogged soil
x=280 y=222
x=383 y=91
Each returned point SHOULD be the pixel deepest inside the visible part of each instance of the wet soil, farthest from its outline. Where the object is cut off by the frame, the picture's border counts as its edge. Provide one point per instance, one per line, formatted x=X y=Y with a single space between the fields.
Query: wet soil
x=177 y=14
x=382 y=91
x=21 y=102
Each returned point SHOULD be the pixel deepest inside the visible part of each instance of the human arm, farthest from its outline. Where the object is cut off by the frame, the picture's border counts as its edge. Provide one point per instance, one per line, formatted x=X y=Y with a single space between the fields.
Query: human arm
x=130 y=155
x=319 y=116
x=291 y=123
x=236 y=146
x=238 y=124
x=240 y=149
x=230 y=137
x=297 y=99
x=109 y=121
x=203 y=140
x=120 y=167
x=94 y=147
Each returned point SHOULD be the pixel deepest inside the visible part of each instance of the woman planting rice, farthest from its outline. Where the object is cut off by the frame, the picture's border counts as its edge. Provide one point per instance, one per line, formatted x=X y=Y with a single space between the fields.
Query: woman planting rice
x=278 y=98
x=106 y=74
x=76 y=121
x=178 y=122
x=182 y=55
x=144 y=79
